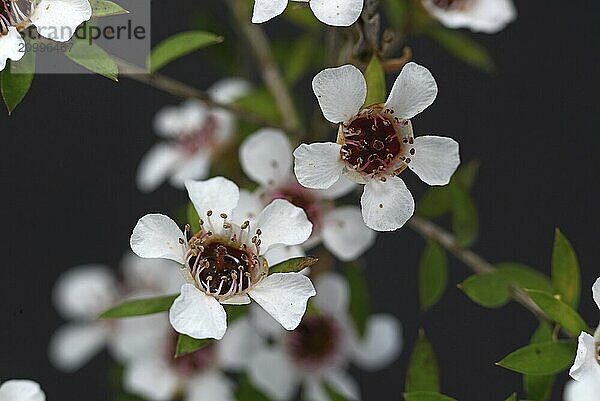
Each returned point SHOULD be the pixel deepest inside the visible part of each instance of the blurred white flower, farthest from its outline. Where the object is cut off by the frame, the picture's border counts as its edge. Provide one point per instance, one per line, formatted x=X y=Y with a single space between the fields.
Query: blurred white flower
x=83 y=292
x=586 y=368
x=330 y=12
x=54 y=19
x=21 y=390
x=489 y=16
x=194 y=134
x=376 y=144
x=226 y=263
x=320 y=350
x=266 y=157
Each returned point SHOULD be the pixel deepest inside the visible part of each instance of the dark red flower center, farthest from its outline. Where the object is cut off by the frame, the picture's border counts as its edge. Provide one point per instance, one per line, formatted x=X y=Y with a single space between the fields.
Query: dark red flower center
x=199 y=138
x=303 y=198
x=315 y=341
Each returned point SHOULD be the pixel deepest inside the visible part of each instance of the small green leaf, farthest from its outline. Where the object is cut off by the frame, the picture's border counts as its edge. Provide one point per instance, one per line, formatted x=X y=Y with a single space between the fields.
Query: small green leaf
x=462 y=47
x=422 y=374
x=140 y=307
x=433 y=275
x=559 y=312
x=192 y=217
x=539 y=388
x=397 y=11
x=16 y=79
x=180 y=45
x=261 y=102
x=512 y=397
x=245 y=391
x=298 y=58
x=542 y=359
x=375 y=77
x=566 y=275
x=105 y=8
x=465 y=221
x=187 y=345
x=426 y=396
x=466 y=175
x=293 y=265
x=93 y=58
x=332 y=393
x=360 y=305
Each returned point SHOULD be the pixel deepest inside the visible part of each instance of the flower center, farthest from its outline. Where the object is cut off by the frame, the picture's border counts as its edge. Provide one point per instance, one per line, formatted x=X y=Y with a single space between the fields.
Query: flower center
x=303 y=198
x=13 y=12
x=451 y=4
x=192 y=363
x=315 y=342
x=373 y=142
x=224 y=264
x=194 y=140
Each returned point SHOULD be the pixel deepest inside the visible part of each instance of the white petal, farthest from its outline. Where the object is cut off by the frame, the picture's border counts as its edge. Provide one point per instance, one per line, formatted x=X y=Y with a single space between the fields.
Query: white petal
x=12 y=46
x=248 y=207
x=236 y=349
x=414 y=90
x=197 y=314
x=333 y=294
x=228 y=90
x=381 y=344
x=342 y=187
x=58 y=19
x=386 y=206
x=158 y=276
x=266 y=157
x=585 y=390
x=435 y=160
x=157 y=236
x=314 y=390
x=340 y=91
x=343 y=384
x=337 y=12
x=264 y=324
x=596 y=292
x=280 y=254
x=217 y=194
x=271 y=371
x=195 y=167
x=489 y=16
x=83 y=292
x=264 y=10
x=585 y=363
x=151 y=378
x=139 y=336
x=74 y=345
x=284 y=296
x=282 y=223
x=212 y=385
x=237 y=300
x=155 y=166
x=318 y=165
x=21 y=390
x=345 y=234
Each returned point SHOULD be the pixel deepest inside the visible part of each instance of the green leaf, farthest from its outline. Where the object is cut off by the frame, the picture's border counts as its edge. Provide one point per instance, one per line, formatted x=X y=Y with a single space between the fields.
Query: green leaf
x=433 y=275
x=539 y=388
x=397 y=11
x=192 y=217
x=261 y=102
x=105 y=8
x=360 y=305
x=465 y=221
x=547 y=358
x=512 y=397
x=466 y=175
x=462 y=47
x=559 y=312
x=180 y=45
x=140 y=307
x=245 y=391
x=375 y=77
x=333 y=394
x=293 y=265
x=16 y=79
x=298 y=58
x=422 y=374
x=187 y=345
x=566 y=275
x=426 y=396
x=93 y=58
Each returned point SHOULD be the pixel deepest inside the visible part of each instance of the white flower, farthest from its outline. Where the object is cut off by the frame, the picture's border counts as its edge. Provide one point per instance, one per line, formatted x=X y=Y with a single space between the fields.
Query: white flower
x=586 y=368
x=330 y=12
x=155 y=374
x=195 y=135
x=225 y=263
x=322 y=347
x=83 y=292
x=375 y=144
x=266 y=157
x=21 y=390
x=54 y=19
x=489 y=16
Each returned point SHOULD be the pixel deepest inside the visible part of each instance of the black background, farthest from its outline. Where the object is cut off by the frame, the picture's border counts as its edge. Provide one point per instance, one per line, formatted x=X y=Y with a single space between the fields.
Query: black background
x=69 y=154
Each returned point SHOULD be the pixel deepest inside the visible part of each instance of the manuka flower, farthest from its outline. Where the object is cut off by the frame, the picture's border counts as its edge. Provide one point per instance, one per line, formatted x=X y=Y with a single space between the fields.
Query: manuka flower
x=321 y=349
x=330 y=12
x=266 y=157
x=54 y=19
x=376 y=143
x=21 y=390
x=194 y=134
x=586 y=369
x=489 y=16
x=226 y=263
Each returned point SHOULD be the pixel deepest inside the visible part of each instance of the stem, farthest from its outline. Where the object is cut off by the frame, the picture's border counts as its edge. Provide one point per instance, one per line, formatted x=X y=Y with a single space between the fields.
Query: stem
x=433 y=232
x=259 y=44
